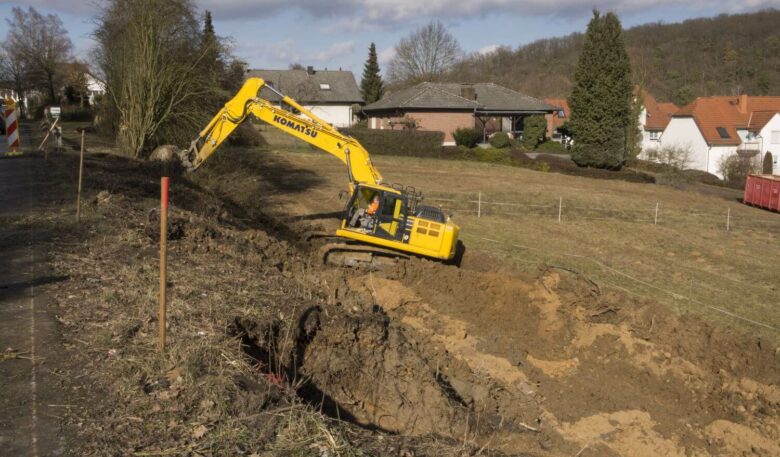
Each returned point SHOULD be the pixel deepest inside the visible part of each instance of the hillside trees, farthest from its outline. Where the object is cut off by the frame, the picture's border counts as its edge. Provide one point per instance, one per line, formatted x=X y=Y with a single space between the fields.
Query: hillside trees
x=602 y=96
x=164 y=74
x=425 y=54
x=371 y=86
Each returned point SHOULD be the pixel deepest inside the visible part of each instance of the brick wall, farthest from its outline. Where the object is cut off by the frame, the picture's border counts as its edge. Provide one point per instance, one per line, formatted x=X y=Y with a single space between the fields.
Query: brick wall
x=446 y=122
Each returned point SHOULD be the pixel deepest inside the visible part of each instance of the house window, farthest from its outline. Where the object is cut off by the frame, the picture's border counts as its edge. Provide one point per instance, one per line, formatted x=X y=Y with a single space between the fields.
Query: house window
x=724 y=134
x=775 y=136
x=655 y=135
x=324 y=86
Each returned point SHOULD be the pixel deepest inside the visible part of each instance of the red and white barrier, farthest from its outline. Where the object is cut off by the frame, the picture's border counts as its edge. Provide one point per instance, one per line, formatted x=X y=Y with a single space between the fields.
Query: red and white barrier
x=11 y=125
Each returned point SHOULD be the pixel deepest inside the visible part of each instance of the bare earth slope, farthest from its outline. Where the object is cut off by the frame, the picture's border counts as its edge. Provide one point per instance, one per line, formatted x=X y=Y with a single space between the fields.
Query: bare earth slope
x=271 y=353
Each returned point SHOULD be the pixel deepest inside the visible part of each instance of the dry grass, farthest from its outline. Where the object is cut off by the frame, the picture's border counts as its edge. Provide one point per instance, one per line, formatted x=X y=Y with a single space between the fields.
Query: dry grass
x=688 y=261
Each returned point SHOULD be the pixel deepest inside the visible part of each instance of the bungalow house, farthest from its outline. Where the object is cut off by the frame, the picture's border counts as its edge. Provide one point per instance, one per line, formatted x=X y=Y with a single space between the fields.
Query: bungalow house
x=329 y=94
x=556 y=120
x=653 y=119
x=446 y=107
x=716 y=127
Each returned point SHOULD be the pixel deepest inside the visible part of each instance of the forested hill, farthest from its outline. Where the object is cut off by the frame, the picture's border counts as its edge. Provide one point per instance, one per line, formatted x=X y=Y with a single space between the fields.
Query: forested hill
x=724 y=55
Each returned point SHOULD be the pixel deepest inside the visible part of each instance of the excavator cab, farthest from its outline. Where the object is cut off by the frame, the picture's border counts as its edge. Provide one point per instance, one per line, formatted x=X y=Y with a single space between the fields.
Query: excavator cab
x=387 y=221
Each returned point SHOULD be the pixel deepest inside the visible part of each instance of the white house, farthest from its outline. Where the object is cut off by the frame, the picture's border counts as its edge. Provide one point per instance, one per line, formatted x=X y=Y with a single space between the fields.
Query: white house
x=653 y=119
x=329 y=94
x=95 y=87
x=716 y=127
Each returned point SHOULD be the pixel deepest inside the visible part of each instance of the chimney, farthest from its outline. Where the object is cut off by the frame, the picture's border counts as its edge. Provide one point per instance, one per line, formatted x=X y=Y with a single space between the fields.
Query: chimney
x=743 y=99
x=310 y=70
x=468 y=92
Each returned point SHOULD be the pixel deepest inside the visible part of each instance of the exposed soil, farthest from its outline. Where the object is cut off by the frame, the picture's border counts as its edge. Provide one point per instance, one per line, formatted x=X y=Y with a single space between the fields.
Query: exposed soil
x=271 y=352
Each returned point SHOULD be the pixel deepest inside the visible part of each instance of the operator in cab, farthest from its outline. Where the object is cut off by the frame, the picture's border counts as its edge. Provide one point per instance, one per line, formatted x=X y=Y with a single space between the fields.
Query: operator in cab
x=365 y=217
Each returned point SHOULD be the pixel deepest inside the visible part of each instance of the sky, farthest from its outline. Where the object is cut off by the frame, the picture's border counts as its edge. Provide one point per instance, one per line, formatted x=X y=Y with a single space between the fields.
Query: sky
x=271 y=34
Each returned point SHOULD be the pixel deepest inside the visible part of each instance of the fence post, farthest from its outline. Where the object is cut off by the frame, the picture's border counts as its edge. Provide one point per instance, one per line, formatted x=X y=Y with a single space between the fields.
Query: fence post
x=728 y=220
x=163 y=256
x=479 y=204
x=81 y=173
x=656 y=213
x=560 y=208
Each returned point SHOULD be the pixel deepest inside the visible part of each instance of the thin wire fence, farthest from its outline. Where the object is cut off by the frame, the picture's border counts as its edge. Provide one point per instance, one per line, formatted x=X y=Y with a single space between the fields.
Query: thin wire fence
x=561 y=210
x=566 y=210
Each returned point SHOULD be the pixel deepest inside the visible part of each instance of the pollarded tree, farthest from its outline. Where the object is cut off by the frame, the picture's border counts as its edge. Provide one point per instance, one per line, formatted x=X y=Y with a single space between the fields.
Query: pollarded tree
x=371 y=87
x=601 y=98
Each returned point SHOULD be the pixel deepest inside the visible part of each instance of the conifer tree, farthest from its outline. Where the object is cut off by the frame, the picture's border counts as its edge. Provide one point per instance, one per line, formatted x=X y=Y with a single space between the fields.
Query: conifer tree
x=601 y=98
x=371 y=87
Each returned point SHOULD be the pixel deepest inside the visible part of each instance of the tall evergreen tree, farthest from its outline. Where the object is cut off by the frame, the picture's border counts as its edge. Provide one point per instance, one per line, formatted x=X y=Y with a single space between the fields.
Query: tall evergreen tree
x=371 y=87
x=602 y=97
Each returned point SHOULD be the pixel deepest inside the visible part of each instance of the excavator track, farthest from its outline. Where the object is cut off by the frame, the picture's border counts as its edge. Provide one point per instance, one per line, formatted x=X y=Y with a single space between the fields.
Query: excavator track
x=338 y=251
x=359 y=256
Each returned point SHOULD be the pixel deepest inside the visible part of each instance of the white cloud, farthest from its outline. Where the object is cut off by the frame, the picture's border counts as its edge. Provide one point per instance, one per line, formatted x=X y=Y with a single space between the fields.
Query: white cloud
x=385 y=56
x=489 y=49
x=367 y=13
x=280 y=53
x=335 y=50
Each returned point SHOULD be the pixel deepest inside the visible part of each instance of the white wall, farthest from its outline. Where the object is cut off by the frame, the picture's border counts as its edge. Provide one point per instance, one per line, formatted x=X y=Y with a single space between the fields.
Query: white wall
x=766 y=138
x=683 y=132
x=338 y=115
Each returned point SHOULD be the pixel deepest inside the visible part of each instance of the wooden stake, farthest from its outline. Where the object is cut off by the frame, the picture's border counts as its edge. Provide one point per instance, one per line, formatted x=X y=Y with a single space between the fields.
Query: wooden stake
x=560 y=208
x=163 y=256
x=656 y=214
x=46 y=153
x=479 y=204
x=728 y=220
x=81 y=174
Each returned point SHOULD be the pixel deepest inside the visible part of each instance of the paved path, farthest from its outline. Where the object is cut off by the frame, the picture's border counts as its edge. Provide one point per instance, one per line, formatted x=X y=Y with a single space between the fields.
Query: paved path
x=31 y=399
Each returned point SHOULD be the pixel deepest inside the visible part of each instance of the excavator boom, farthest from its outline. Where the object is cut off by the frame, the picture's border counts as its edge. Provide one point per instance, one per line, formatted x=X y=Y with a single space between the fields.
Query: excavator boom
x=310 y=129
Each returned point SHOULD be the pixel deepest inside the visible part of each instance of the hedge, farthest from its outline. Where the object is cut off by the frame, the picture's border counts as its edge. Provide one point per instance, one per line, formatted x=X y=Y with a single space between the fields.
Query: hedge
x=398 y=142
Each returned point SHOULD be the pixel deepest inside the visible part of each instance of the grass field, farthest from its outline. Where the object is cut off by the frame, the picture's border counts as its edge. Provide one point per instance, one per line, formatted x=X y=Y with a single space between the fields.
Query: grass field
x=688 y=261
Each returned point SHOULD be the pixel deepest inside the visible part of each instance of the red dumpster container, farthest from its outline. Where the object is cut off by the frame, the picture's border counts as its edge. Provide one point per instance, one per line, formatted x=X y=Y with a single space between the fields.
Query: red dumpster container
x=763 y=191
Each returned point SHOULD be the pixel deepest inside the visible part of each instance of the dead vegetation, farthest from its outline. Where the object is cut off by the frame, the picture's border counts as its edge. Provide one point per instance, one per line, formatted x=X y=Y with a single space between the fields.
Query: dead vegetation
x=271 y=354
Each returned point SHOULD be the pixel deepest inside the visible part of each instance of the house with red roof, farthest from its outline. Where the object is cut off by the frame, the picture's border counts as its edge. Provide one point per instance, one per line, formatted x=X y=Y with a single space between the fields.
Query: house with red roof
x=556 y=119
x=653 y=119
x=715 y=127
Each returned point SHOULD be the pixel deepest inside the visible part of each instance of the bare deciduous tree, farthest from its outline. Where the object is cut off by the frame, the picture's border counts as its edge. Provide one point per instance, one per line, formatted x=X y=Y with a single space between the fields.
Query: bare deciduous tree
x=425 y=54
x=41 y=44
x=14 y=74
x=151 y=57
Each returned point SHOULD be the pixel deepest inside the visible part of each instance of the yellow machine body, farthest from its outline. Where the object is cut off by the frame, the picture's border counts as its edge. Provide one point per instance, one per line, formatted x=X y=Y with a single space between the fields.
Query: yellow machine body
x=400 y=224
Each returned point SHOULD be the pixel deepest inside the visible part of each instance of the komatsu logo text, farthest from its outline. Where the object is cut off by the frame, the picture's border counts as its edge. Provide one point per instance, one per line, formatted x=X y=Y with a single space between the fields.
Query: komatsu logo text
x=297 y=127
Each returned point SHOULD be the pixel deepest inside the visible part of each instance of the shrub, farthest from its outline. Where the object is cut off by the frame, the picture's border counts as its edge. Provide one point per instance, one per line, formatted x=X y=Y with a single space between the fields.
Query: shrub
x=398 y=142
x=499 y=140
x=768 y=168
x=735 y=169
x=552 y=147
x=77 y=115
x=676 y=157
x=468 y=137
x=534 y=128
x=246 y=134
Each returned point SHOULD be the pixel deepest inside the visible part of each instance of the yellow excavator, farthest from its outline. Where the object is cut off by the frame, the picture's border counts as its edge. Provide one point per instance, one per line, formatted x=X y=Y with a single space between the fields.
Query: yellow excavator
x=380 y=222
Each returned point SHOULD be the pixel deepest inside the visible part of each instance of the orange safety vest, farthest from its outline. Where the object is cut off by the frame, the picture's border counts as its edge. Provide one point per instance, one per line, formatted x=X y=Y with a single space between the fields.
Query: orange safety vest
x=373 y=208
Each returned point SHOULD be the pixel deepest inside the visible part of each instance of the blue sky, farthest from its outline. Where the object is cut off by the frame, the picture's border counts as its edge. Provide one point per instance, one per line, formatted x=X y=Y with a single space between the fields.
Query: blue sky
x=336 y=33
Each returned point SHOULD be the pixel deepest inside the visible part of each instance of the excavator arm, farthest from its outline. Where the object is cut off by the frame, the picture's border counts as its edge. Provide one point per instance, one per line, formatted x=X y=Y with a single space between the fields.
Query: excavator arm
x=305 y=126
